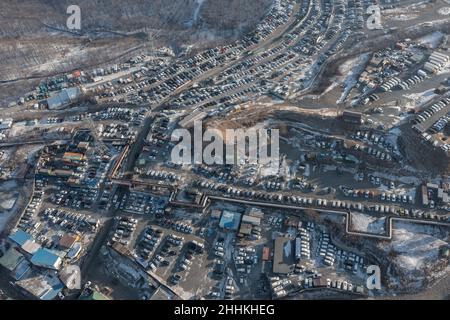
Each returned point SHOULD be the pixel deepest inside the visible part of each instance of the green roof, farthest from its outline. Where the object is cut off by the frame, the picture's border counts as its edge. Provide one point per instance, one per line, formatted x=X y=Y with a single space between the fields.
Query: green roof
x=95 y=295
x=99 y=296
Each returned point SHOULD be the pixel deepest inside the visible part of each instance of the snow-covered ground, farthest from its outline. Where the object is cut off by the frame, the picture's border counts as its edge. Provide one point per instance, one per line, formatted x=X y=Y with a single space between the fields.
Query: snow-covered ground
x=8 y=202
x=420 y=98
x=444 y=11
x=366 y=223
x=432 y=39
x=196 y=13
x=415 y=247
x=352 y=69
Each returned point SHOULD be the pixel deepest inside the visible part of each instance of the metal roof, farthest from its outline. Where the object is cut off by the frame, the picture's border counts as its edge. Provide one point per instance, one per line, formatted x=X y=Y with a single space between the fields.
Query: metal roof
x=43 y=287
x=283 y=260
x=11 y=259
x=20 y=237
x=47 y=259
x=230 y=220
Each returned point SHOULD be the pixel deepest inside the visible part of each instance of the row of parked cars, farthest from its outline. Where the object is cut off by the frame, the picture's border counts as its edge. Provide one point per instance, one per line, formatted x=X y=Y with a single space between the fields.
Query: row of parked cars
x=244 y=258
x=176 y=75
x=149 y=241
x=439 y=125
x=279 y=286
x=163 y=175
x=412 y=81
x=124 y=230
x=76 y=222
x=326 y=249
x=392 y=197
x=28 y=217
x=178 y=226
x=430 y=111
x=193 y=249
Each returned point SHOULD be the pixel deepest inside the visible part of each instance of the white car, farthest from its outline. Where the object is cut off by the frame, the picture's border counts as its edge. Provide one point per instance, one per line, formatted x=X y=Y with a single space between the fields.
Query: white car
x=344 y=285
x=219 y=254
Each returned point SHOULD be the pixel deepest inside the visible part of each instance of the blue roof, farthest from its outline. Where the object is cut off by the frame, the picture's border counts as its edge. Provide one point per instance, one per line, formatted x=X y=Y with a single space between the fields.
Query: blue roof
x=230 y=220
x=53 y=292
x=45 y=258
x=20 y=237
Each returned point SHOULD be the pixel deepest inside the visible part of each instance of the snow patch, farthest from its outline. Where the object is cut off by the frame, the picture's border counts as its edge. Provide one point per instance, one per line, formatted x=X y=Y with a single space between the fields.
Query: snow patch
x=366 y=223
x=432 y=39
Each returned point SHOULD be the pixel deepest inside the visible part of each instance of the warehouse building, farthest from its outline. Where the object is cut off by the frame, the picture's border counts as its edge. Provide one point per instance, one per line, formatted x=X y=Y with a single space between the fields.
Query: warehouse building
x=63 y=98
x=283 y=257
x=46 y=259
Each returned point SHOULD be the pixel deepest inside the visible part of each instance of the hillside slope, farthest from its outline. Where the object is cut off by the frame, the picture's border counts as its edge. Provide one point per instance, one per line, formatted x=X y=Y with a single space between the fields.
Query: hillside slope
x=34 y=40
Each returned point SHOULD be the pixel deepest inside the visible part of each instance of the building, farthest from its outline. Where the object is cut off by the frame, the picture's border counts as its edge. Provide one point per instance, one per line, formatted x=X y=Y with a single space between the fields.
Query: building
x=71 y=277
x=352 y=117
x=230 y=220
x=15 y=264
x=11 y=259
x=63 y=98
x=41 y=286
x=60 y=173
x=74 y=251
x=20 y=237
x=30 y=247
x=255 y=212
x=438 y=194
x=283 y=257
x=46 y=259
x=251 y=220
x=216 y=213
x=245 y=229
x=73 y=157
x=24 y=242
x=67 y=241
